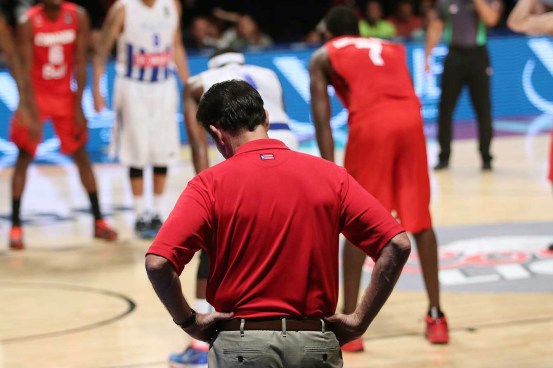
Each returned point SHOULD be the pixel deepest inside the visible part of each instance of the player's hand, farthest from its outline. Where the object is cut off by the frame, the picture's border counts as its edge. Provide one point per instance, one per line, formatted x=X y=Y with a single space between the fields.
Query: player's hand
x=427 y=68
x=346 y=327
x=99 y=102
x=30 y=120
x=204 y=327
x=80 y=119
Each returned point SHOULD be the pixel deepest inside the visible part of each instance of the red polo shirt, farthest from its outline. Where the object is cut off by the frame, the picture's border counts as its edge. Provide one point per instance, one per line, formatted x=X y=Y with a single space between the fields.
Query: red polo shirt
x=269 y=220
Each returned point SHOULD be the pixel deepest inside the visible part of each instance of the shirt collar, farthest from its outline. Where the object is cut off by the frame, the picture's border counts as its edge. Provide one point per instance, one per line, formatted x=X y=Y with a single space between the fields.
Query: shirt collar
x=261 y=144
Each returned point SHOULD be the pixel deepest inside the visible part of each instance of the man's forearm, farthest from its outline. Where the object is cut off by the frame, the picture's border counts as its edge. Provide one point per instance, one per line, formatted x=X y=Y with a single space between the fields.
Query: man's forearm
x=385 y=274
x=181 y=62
x=433 y=36
x=98 y=70
x=80 y=79
x=325 y=141
x=166 y=284
x=489 y=13
x=520 y=13
x=12 y=60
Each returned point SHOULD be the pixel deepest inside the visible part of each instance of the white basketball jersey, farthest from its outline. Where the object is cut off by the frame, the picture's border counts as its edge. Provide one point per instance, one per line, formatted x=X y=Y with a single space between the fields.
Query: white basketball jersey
x=264 y=80
x=145 y=47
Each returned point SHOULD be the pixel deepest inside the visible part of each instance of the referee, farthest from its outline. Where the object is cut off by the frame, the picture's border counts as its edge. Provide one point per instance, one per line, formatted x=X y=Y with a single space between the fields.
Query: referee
x=463 y=24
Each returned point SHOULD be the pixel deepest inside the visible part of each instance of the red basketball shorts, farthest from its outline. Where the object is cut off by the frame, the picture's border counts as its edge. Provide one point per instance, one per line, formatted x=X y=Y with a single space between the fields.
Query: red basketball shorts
x=61 y=111
x=386 y=154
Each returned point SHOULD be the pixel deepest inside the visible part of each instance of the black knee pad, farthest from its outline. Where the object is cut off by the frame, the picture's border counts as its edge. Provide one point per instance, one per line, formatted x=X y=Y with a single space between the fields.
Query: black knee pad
x=135 y=173
x=203 y=268
x=160 y=170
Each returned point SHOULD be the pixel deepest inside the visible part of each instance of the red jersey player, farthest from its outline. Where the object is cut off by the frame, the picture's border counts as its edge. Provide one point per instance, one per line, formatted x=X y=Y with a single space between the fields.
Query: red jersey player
x=386 y=149
x=52 y=39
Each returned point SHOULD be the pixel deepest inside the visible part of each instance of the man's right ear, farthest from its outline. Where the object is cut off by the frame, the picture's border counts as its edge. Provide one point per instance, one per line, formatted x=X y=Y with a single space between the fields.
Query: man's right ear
x=217 y=134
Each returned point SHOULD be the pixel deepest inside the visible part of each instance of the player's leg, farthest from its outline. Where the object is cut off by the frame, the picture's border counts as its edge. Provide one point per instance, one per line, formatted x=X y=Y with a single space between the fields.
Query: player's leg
x=196 y=354
x=370 y=162
x=427 y=249
x=479 y=88
x=19 y=179
x=353 y=259
x=162 y=143
x=160 y=180
x=136 y=178
x=129 y=141
x=73 y=139
x=21 y=136
x=551 y=170
x=412 y=187
x=101 y=229
x=451 y=85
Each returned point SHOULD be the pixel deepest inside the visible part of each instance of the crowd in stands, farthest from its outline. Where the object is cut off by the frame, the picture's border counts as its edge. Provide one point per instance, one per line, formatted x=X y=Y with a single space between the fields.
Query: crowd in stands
x=254 y=25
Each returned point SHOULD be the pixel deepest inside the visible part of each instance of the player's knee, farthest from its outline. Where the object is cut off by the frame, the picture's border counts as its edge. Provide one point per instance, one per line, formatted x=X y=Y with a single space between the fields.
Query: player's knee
x=135 y=172
x=160 y=170
x=203 y=268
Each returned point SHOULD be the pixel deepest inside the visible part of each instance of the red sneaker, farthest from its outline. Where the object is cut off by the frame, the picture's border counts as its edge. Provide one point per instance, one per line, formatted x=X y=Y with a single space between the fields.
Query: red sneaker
x=16 y=238
x=436 y=330
x=103 y=231
x=353 y=346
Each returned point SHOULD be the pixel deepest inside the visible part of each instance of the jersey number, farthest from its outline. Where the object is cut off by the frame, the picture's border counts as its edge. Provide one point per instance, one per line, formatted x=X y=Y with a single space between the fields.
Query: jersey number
x=55 y=68
x=375 y=50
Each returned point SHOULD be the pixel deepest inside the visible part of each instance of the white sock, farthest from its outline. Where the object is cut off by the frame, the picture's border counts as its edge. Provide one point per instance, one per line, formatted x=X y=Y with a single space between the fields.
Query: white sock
x=201 y=306
x=139 y=207
x=158 y=204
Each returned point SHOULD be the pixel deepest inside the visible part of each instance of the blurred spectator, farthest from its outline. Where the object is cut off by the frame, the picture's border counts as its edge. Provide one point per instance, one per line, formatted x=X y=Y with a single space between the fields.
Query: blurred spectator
x=406 y=23
x=97 y=11
x=313 y=37
x=249 y=35
x=203 y=33
x=372 y=25
x=426 y=11
x=246 y=34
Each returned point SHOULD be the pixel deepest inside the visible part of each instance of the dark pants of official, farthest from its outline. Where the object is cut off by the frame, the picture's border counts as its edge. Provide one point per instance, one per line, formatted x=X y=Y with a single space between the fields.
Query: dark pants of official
x=471 y=67
x=275 y=349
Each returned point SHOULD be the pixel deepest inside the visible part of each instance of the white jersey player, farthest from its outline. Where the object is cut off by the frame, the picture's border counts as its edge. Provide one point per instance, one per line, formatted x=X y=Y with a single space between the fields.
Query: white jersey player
x=227 y=64
x=224 y=65
x=145 y=101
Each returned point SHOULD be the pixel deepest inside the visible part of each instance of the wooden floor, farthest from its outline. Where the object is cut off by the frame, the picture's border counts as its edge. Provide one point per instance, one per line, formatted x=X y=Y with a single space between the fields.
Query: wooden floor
x=70 y=301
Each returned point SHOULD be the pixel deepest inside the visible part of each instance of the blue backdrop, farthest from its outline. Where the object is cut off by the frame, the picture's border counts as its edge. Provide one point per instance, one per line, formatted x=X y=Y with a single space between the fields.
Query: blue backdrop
x=522 y=85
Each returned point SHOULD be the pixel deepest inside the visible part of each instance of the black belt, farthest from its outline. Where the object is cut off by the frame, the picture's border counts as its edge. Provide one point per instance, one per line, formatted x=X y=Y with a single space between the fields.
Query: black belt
x=271 y=324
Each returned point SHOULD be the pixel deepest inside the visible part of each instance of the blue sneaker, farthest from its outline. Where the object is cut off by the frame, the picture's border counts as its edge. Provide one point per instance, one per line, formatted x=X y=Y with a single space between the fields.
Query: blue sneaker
x=190 y=358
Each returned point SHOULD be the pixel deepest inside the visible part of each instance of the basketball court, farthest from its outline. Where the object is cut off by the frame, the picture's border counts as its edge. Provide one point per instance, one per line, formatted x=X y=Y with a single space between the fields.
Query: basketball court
x=71 y=301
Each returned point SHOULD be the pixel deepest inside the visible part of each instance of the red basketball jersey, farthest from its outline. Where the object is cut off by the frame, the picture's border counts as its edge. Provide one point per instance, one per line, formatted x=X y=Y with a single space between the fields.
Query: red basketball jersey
x=53 y=48
x=369 y=74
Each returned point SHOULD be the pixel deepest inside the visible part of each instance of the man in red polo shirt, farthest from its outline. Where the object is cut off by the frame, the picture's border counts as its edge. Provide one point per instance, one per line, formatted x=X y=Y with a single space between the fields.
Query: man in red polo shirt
x=386 y=149
x=269 y=219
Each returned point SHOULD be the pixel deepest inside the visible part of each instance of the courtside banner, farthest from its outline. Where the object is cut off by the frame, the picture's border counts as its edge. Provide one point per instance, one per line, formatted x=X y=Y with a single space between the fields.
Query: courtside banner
x=522 y=87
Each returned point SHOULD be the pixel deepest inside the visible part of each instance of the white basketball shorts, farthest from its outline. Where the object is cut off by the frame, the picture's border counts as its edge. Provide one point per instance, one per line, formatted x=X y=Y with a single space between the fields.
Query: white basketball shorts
x=145 y=130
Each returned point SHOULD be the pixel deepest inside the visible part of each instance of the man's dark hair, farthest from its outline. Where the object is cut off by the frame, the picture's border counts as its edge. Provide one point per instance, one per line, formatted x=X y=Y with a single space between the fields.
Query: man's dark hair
x=222 y=51
x=342 y=21
x=232 y=106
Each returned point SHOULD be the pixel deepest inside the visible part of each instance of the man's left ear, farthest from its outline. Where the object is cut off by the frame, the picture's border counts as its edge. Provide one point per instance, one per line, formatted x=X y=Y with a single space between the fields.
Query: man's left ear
x=266 y=123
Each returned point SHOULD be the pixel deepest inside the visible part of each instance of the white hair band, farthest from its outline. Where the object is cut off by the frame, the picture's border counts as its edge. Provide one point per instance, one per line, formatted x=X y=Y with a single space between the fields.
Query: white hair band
x=226 y=58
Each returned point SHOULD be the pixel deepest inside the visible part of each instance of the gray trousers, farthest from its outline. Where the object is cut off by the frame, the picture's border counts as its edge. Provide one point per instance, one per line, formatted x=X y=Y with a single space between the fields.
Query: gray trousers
x=275 y=349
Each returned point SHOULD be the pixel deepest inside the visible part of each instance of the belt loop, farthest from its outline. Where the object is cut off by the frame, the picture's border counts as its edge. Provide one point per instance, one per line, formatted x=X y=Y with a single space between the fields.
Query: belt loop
x=323 y=325
x=242 y=323
x=284 y=327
